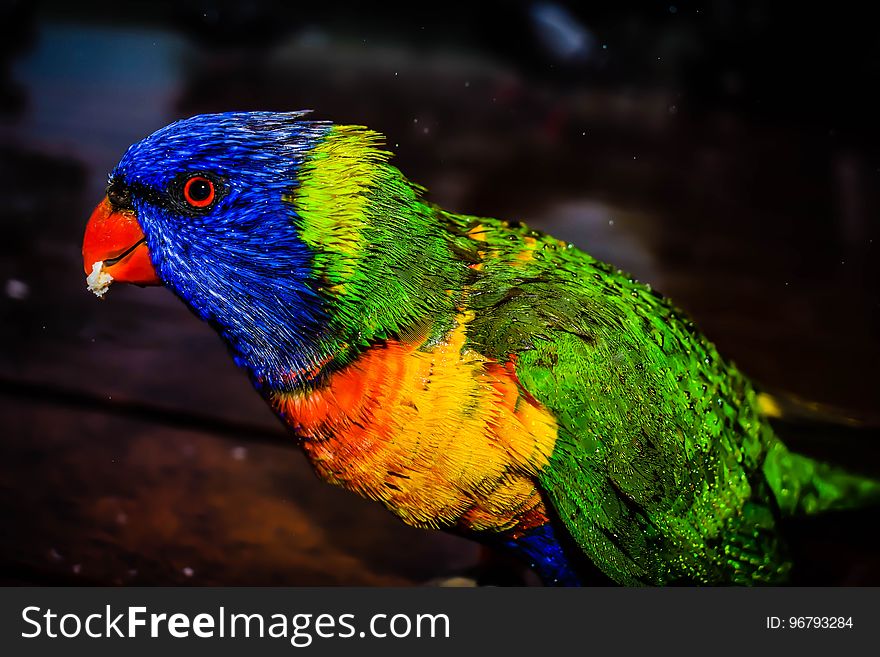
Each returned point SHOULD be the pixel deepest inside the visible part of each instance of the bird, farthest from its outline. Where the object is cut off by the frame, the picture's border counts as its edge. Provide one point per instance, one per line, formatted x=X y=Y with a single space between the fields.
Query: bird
x=473 y=375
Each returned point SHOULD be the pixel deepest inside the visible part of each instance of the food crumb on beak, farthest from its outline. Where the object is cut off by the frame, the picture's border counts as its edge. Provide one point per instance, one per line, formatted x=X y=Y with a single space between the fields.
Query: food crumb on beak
x=99 y=280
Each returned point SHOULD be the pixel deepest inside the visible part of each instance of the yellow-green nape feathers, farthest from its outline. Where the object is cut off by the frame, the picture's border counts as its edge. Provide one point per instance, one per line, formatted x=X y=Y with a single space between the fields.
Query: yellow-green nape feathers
x=381 y=257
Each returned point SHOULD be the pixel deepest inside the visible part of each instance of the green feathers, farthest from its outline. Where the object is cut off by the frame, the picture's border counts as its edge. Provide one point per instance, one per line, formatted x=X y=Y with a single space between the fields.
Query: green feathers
x=664 y=469
x=382 y=258
x=656 y=470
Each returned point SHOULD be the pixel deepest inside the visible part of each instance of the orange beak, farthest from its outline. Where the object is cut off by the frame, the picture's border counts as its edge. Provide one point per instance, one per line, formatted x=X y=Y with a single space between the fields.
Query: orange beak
x=114 y=237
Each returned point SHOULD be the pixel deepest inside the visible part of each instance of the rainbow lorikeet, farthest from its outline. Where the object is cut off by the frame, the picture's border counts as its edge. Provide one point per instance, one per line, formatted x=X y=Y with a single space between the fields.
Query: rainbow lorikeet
x=470 y=374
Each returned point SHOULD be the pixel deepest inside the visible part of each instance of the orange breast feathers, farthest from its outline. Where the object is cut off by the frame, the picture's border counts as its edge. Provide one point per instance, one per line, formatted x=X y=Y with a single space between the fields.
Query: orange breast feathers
x=442 y=436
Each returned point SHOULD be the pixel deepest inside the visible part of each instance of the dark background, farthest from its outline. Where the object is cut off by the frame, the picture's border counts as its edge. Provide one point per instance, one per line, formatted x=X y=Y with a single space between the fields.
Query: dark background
x=724 y=151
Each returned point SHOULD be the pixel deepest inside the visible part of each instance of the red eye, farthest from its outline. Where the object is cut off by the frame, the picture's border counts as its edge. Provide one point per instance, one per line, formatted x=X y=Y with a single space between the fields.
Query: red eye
x=199 y=192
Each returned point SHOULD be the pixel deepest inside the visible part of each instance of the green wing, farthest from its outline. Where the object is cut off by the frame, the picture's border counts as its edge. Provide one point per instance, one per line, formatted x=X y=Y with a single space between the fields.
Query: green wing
x=656 y=472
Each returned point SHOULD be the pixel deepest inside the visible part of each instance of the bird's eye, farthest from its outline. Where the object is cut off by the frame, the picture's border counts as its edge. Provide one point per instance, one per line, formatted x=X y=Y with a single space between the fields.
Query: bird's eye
x=199 y=192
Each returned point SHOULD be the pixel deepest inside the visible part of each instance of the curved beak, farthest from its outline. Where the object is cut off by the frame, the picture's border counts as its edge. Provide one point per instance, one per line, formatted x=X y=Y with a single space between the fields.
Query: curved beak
x=115 y=239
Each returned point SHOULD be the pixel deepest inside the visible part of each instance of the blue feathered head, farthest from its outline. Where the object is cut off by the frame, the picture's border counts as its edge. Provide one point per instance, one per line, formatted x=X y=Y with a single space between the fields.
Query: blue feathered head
x=200 y=206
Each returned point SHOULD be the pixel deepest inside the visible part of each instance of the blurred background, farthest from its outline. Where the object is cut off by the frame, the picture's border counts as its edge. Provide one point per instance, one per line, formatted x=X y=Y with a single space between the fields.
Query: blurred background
x=725 y=151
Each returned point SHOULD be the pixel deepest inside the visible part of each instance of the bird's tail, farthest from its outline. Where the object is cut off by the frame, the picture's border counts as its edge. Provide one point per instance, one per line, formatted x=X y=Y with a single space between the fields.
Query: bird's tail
x=805 y=486
x=809 y=478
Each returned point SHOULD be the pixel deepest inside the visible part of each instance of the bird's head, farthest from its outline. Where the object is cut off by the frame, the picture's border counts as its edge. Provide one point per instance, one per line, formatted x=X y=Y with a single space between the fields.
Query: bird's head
x=202 y=206
x=296 y=240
